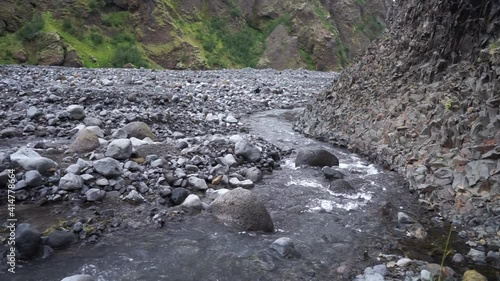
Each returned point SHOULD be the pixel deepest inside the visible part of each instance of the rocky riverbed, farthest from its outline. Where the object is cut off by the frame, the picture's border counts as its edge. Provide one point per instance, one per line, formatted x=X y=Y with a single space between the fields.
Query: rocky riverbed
x=102 y=155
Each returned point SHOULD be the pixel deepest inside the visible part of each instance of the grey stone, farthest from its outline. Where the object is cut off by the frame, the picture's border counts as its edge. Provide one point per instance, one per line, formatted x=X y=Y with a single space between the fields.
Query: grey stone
x=120 y=134
x=138 y=130
x=28 y=240
x=179 y=195
x=242 y=208
x=134 y=197
x=79 y=277
x=92 y=121
x=285 y=247
x=9 y=132
x=31 y=160
x=254 y=174
x=229 y=160
x=33 y=112
x=316 y=158
x=97 y=130
x=108 y=167
x=95 y=194
x=33 y=178
x=60 y=239
x=247 y=150
x=340 y=185
x=477 y=256
x=192 y=202
x=85 y=141
x=119 y=149
x=71 y=182
x=332 y=174
x=197 y=183
x=76 y=112
x=231 y=119
x=74 y=169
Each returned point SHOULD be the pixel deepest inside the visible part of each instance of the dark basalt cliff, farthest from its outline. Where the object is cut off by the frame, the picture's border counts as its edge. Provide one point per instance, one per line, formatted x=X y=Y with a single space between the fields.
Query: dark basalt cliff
x=424 y=100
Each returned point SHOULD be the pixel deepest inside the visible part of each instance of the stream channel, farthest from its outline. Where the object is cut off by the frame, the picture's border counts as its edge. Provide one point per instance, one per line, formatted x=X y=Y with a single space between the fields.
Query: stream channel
x=329 y=229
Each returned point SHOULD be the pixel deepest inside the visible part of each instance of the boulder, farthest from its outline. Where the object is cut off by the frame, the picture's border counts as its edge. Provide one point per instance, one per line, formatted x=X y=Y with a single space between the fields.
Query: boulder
x=119 y=149
x=285 y=247
x=76 y=112
x=60 y=239
x=78 y=278
x=242 y=208
x=332 y=174
x=33 y=178
x=138 y=130
x=247 y=150
x=197 y=183
x=31 y=160
x=254 y=174
x=27 y=240
x=341 y=185
x=134 y=197
x=95 y=194
x=316 y=158
x=472 y=275
x=108 y=167
x=50 y=48
x=85 y=141
x=192 y=202
x=179 y=195
x=71 y=182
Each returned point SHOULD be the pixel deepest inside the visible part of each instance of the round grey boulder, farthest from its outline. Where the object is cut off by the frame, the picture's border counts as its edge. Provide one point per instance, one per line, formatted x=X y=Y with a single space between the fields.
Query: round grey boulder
x=285 y=247
x=179 y=195
x=76 y=112
x=316 y=158
x=341 y=185
x=119 y=149
x=197 y=183
x=138 y=130
x=108 y=167
x=192 y=202
x=254 y=174
x=95 y=194
x=31 y=160
x=60 y=239
x=242 y=208
x=71 y=182
x=33 y=178
x=27 y=240
x=247 y=150
x=332 y=174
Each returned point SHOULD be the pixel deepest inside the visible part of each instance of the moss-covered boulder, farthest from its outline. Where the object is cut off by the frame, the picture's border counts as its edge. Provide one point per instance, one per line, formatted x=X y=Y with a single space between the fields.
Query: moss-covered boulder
x=51 y=48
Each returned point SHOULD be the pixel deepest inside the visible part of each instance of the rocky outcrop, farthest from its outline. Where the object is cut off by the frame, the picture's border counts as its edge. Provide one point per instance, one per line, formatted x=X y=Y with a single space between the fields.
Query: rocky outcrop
x=424 y=100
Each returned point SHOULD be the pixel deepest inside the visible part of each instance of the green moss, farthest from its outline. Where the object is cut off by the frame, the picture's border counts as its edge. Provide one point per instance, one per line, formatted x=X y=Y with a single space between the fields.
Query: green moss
x=29 y=30
x=285 y=20
x=323 y=16
x=370 y=26
x=117 y=19
x=9 y=43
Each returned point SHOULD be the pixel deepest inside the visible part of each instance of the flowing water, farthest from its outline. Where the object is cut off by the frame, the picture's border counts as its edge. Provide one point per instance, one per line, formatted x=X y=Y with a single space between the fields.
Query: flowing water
x=329 y=229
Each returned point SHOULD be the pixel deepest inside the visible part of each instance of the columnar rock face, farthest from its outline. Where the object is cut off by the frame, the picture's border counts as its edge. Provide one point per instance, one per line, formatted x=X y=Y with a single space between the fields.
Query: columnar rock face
x=424 y=100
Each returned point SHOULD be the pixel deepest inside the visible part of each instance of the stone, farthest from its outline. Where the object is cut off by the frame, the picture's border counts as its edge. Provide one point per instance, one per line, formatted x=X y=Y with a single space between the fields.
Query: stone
x=134 y=197
x=76 y=112
x=247 y=150
x=97 y=130
x=71 y=182
x=197 y=183
x=242 y=208
x=285 y=247
x=332 y=174
x=119 y=149
x=9 y=132
x=95 y=194
x=229 y=160
x=79 y=277
x=192 y=202
x=120 y=134
x=60 y=239
x=254 y=174
x=33 y=112
x=31 y=160
x=74 y=169
x=28 y=240
x=340 y=185
x=108 y=167
x=477 y=256
x=472 y=275
x=316 y=158
x=231 y=119
x=179 y=195
x=138 y=130
x=404 y=219
x=458 y=259
x=85 y=141
x=107 y=82
x=33 y=178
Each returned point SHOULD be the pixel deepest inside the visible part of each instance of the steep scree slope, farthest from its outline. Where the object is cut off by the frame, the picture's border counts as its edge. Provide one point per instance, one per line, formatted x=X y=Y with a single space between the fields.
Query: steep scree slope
x=424 y=100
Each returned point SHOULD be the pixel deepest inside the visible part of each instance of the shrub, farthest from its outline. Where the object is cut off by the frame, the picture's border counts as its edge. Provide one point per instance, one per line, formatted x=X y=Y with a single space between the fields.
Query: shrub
x=96 y=38
x=30 y=29
x=128 y=54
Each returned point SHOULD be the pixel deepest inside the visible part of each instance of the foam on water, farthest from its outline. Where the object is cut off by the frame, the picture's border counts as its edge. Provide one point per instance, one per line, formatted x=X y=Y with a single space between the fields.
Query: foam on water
x=307 y=183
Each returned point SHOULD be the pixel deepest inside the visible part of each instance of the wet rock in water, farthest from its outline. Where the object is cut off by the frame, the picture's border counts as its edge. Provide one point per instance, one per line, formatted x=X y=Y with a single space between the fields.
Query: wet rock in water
x=95 y=194
x=33 y=178
x=254 y=174
x=27 y=240
x=31 y=160
x=247 y=150
x=85 y=141
x=134 y=197
x=332 y=174
x=242 y=208
x=192 y=202
x=285 y=247
x=60 y=239
x=138 y=130
x=76 y=112
x=108 y=167
x=340 y=186
x=316 y=158
x=197 y=183
x=78 y=278
x=71 y=182
x=119 y=149
x=179 y=195
x=472 y=275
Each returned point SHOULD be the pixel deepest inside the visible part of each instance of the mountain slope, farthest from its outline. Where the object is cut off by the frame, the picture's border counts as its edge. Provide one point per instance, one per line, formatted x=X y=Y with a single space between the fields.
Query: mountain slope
x=322 y=35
